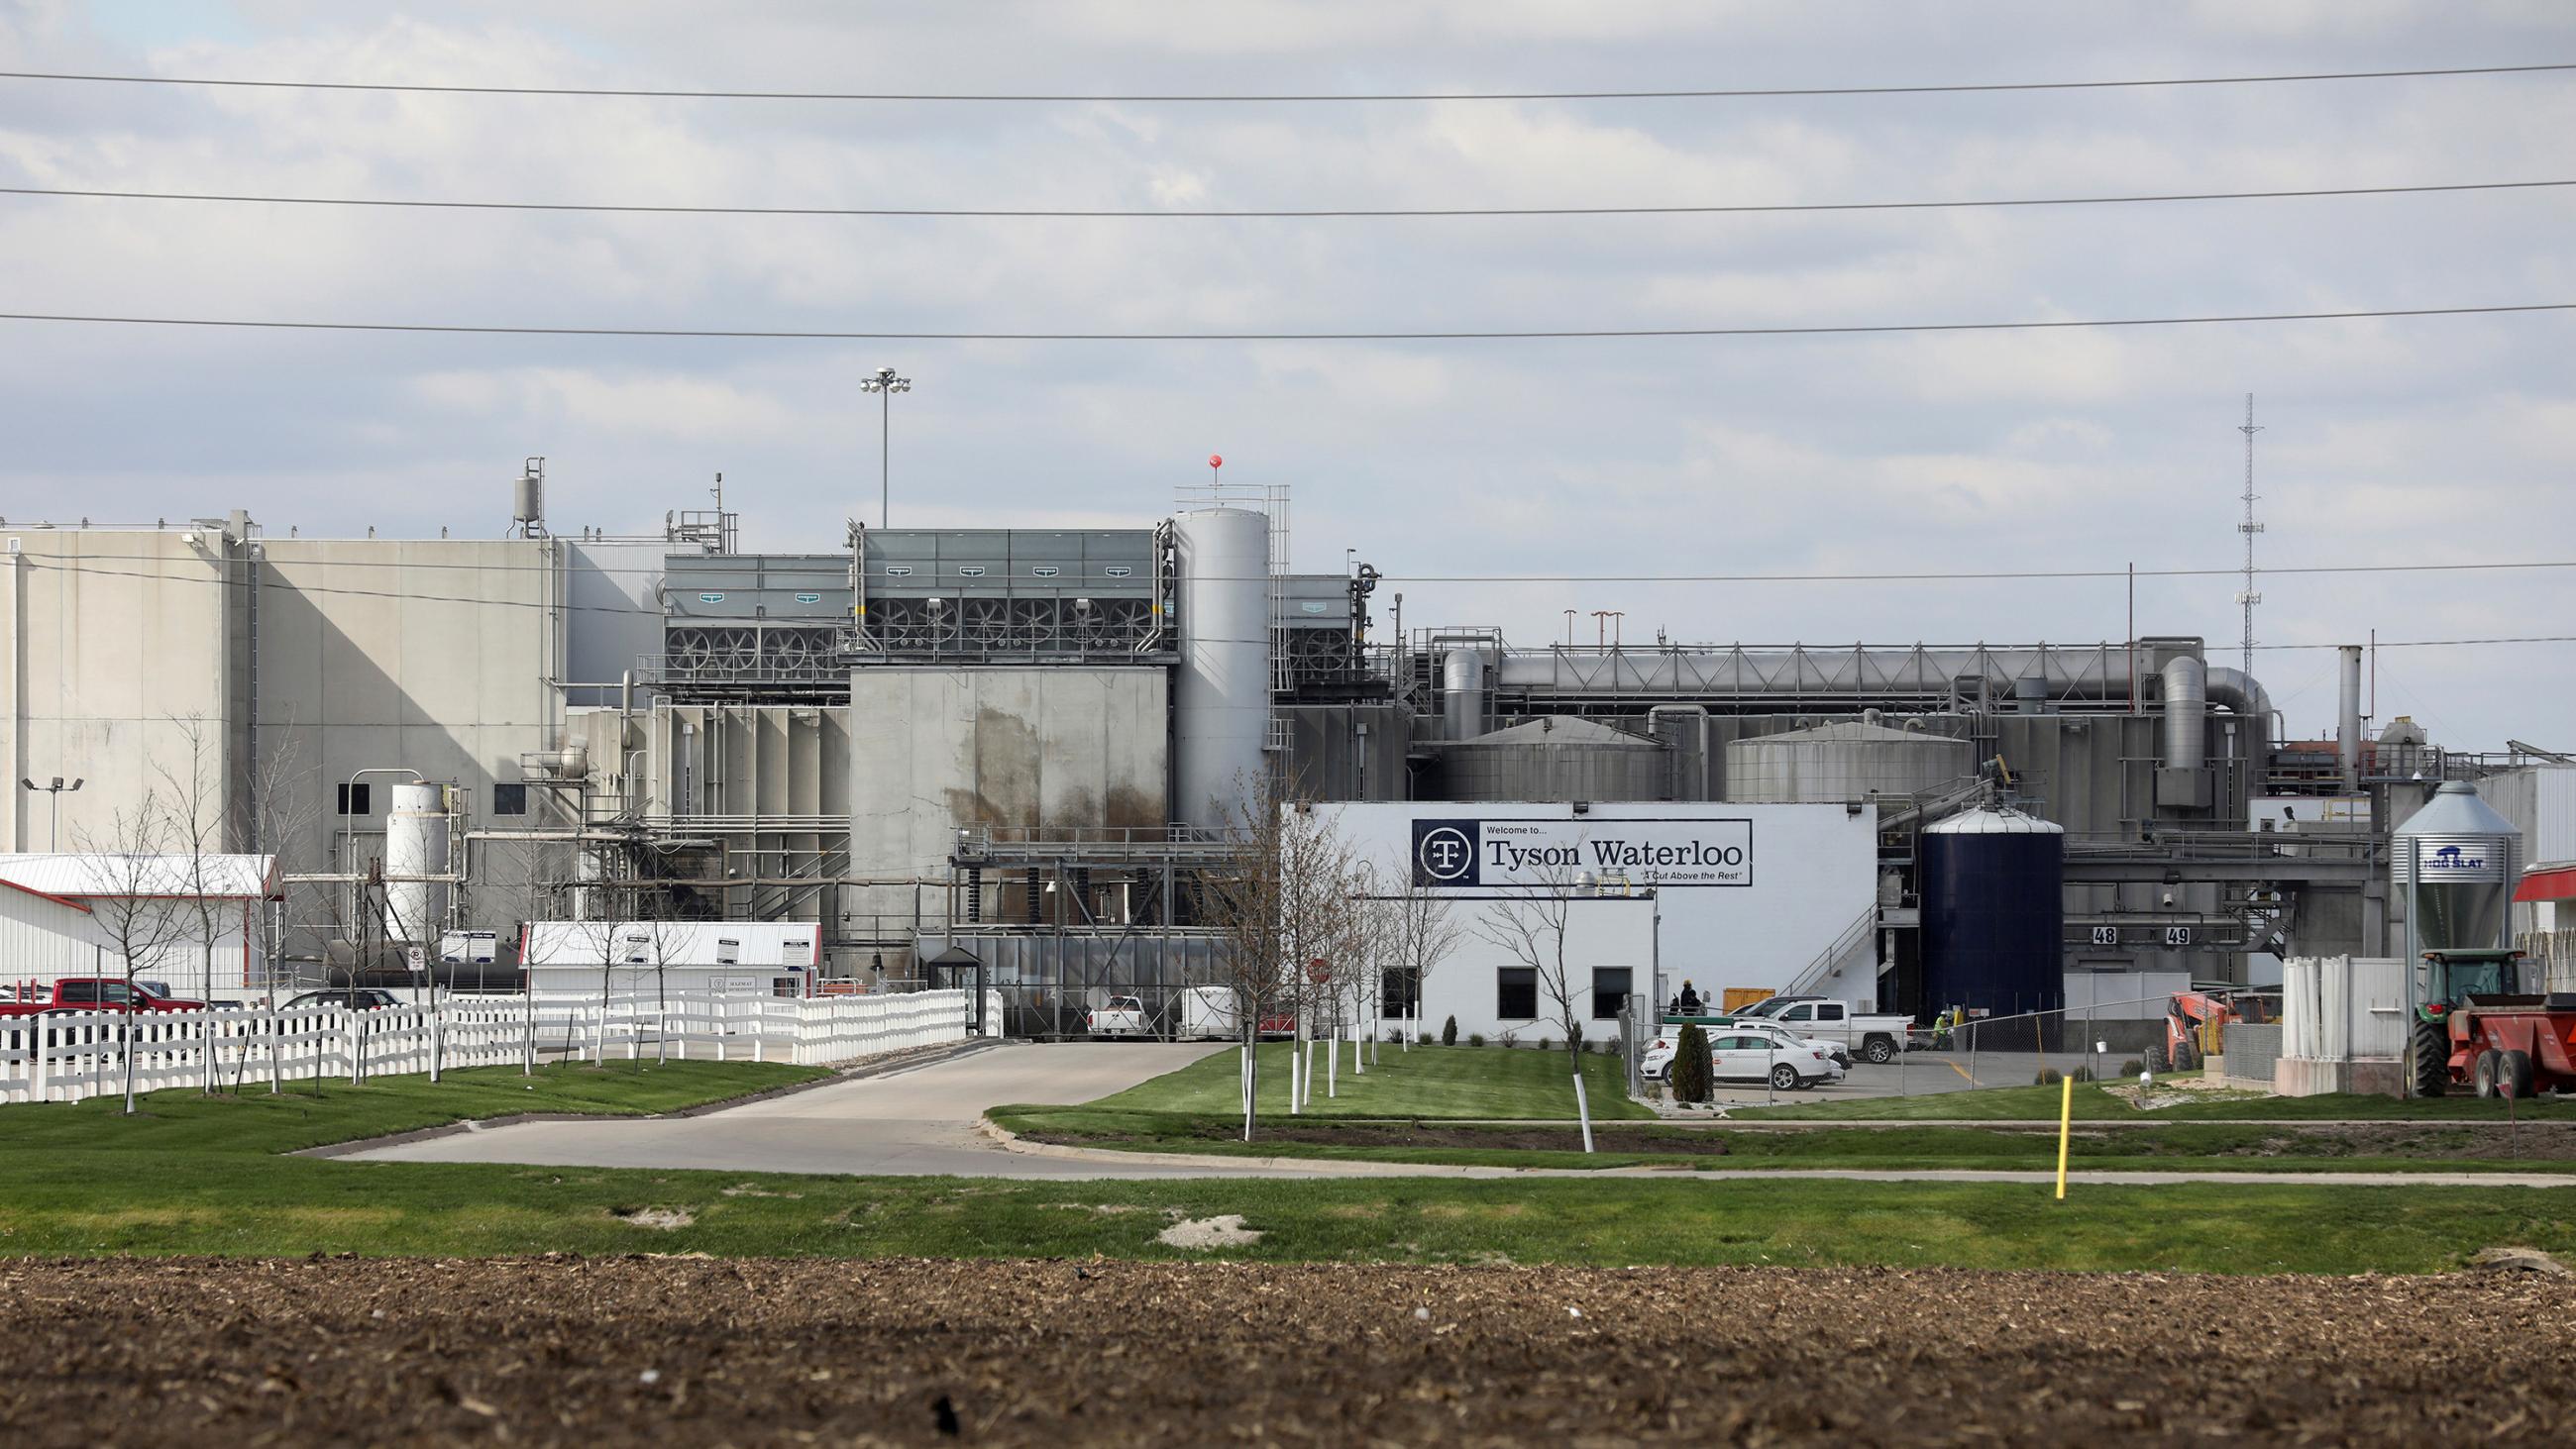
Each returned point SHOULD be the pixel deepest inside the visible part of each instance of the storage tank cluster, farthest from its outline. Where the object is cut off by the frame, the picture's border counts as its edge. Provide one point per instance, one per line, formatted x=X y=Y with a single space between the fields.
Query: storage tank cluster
x=1994 y=913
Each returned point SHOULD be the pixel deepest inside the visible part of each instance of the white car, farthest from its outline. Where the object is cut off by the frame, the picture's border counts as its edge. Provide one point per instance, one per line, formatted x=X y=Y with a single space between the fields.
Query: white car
x=1760 y=1050
x=1119 y=1016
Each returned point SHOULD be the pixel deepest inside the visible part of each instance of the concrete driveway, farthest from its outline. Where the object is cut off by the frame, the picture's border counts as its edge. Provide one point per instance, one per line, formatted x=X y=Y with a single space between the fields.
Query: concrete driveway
x=918 y=1121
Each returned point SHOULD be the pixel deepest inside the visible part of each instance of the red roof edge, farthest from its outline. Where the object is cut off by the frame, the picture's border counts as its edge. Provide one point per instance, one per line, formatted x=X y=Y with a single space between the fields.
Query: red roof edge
x=2548 y=883
x=48 y=896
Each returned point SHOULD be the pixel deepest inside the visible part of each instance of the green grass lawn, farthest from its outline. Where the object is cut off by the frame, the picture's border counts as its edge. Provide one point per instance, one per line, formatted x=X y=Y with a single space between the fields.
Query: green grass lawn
x=2093 y=1103
x=2219 y=1146
x=255 y=1121
x=196 y=1175
x=1424 y=1082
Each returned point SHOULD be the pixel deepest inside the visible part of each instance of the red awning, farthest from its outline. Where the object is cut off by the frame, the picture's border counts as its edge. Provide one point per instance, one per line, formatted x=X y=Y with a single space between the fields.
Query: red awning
x=2547 y=883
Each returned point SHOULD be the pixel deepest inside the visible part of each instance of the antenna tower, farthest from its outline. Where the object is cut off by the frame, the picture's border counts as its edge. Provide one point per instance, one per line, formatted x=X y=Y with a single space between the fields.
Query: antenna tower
x=2246 y=597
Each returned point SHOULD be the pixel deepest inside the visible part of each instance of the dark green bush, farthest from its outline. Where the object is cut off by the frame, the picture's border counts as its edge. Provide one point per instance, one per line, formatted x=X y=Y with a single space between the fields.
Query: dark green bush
x=1689 y=1071
x=1475 y=1038
x=1449 y=1032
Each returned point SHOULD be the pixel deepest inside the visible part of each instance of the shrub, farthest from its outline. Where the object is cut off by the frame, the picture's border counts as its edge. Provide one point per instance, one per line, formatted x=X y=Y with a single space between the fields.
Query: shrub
x=1547 y=1043
x=1689 y=1071
x=2132 y=1067
x=1474 y=1038
x=2048 y=1077
x=2083 y=1074
x=1449 y=1032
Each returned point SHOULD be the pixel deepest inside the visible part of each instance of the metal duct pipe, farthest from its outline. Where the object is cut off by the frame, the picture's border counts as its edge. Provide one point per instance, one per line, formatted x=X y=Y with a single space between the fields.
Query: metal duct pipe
x=2238 y=690
x=2348 y=720
x=1462 y=692
x=2186 y=707
x=1862 y=673
x=1683 y=788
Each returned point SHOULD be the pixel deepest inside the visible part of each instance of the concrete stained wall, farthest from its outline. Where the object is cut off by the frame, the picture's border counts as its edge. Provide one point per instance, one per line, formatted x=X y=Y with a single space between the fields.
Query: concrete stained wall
x=936 y=748
x=108 y=638
x=308 y=658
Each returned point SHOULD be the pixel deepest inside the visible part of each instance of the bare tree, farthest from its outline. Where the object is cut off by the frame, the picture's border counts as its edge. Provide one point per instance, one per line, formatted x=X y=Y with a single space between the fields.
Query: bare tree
x=282 y=809
x=1283 y=899
x=137 y=905
x=1419 y=934
x=1529 y=924
x=198 y=822
x=535 y=894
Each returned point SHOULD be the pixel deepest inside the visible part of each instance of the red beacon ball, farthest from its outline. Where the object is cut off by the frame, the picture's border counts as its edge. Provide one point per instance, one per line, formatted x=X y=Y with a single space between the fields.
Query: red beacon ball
x=1214 y=461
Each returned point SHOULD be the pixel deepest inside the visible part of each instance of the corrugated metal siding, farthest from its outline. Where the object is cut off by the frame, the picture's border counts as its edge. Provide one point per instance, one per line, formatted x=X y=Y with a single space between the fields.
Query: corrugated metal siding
x=40 y=939
x=231 y=877
x=2541 y=801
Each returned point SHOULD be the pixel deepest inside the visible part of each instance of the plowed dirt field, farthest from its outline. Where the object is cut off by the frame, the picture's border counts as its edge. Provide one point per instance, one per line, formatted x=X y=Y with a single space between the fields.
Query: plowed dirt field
x=664 y=1350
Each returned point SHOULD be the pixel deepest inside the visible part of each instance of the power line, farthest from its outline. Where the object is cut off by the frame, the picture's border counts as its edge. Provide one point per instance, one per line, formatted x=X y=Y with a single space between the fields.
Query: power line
x=74 y=561
x=1314 y=213
x=60 y=566
x=1511 y=335
x=1761 y=93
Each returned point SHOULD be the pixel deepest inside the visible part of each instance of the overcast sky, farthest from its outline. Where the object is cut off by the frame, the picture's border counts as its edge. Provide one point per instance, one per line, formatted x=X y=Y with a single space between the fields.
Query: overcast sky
x=2398 y=441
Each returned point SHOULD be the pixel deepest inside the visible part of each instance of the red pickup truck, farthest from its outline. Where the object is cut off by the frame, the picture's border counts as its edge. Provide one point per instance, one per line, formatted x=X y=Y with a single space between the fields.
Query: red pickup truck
x=89 y=993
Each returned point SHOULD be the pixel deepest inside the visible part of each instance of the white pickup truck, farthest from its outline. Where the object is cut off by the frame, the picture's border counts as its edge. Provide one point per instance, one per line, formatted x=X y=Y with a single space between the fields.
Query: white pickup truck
x=1119 y=1016
x=1871 y=1037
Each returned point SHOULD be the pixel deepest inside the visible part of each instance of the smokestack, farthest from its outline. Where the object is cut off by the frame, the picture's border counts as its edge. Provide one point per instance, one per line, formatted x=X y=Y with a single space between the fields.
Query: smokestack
x=2348 y=721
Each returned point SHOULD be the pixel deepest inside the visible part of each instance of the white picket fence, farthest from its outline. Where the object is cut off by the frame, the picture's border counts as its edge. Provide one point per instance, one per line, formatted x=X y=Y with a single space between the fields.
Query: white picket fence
x=67 y=1056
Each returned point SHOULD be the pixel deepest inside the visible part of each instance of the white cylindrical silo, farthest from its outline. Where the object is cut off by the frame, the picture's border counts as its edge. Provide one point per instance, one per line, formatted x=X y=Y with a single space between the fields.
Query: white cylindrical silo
x=415 y=845
x=1221 y=692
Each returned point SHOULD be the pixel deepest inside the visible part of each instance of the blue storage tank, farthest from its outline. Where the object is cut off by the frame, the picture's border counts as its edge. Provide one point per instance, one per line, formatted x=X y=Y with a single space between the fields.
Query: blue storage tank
x=1994 y=913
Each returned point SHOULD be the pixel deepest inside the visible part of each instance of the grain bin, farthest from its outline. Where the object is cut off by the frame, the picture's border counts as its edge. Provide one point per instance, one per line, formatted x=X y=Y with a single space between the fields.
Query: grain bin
x=1993 y=913
x=2454 y=864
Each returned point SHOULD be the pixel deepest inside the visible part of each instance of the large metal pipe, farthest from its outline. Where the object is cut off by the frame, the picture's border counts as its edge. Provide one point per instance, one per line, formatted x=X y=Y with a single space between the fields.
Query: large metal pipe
x=1462 y=692
x=1865 y=672
x=2348 y=721
x=2238 y=691
x=2186 y=707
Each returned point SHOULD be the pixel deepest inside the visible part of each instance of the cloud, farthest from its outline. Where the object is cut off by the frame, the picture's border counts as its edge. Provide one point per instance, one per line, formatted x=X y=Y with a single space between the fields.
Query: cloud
x=2001 y=453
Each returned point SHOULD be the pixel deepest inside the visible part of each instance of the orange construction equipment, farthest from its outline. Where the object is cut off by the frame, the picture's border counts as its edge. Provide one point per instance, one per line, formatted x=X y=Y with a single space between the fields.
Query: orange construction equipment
x=2196 y=1021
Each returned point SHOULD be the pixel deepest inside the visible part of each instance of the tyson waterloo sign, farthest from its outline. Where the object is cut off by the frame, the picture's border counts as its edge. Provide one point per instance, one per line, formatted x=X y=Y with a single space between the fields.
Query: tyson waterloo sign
x=1469 y=853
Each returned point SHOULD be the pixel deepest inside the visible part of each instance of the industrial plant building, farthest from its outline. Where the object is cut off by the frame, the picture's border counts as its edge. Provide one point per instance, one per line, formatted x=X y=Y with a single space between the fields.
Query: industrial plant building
x=1024 y=745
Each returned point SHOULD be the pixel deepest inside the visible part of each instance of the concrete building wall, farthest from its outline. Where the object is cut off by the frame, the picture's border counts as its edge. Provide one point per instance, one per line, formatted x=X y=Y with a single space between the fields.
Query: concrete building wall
x=111 y=639
x=435 y=655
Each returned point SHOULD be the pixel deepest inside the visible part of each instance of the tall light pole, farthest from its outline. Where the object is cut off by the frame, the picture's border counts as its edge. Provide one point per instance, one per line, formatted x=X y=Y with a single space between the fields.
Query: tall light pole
x=54 y=827
x=885 y=385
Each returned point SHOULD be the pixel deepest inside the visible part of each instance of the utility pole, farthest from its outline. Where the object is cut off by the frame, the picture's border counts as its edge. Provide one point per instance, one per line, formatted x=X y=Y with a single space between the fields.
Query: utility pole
x=54 y=825
x=2247 y=598
x=885 y=385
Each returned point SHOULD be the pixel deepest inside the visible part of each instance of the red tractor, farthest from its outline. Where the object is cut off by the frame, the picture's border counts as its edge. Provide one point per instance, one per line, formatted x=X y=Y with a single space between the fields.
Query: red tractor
x=2472 y=1032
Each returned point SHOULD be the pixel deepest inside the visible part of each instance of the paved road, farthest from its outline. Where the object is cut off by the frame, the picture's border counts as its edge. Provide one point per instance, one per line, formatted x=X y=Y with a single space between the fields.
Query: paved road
x=914 y=1122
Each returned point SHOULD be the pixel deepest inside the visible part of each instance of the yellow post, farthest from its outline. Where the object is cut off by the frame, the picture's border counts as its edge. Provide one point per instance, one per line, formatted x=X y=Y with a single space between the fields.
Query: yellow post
x=2065 y=1129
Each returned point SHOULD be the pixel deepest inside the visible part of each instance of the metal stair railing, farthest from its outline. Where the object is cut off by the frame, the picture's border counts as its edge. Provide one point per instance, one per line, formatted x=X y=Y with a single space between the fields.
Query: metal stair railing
x=1853 y=937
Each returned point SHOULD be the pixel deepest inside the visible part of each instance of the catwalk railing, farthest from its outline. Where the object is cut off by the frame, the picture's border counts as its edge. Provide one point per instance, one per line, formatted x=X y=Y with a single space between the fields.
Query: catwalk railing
x=66 y=1056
